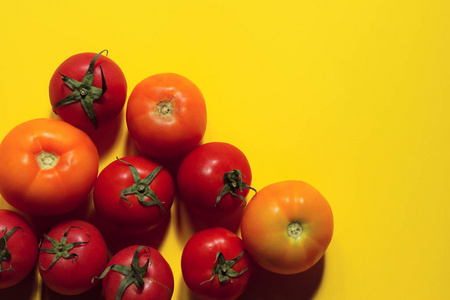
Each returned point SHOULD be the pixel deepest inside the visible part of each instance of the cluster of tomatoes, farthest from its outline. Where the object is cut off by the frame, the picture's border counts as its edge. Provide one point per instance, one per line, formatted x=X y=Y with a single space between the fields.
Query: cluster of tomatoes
x=49 y=167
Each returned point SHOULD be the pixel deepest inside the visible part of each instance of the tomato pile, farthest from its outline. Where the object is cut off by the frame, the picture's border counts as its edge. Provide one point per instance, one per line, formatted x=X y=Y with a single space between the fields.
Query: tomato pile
x=49 y=167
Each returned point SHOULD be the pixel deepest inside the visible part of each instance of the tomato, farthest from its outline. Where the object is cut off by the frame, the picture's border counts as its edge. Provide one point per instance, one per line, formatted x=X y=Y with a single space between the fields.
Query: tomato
x=287 y=227
x=47 y=167
x=214 y=179
x=18 y=248
x=137 y=272
x=71 y=254
x=166 y=115
x=88 y=90
x=215 y=265
x=134 y=193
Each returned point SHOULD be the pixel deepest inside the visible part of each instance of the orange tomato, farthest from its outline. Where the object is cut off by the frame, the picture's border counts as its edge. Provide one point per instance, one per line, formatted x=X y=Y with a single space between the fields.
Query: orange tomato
x=287 y=227
x=166 y=115
x=47 y=167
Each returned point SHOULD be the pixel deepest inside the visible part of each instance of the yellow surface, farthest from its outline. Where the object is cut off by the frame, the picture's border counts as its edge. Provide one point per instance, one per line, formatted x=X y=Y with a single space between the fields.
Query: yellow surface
x=350 y=96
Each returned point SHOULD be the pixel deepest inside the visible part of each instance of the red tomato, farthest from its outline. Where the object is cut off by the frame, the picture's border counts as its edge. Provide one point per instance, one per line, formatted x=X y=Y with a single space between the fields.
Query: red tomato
x=18 y=248
x=134 y=193
x=214 y=179
x=47 y=167
x=71 y=254
x=287 y=227
x=88 y=90
x=215 y=265
x=166 y=115
x=137 y=272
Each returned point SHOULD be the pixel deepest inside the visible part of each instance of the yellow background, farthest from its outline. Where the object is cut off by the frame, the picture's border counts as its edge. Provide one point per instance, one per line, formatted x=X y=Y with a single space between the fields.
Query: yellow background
x=350 y=96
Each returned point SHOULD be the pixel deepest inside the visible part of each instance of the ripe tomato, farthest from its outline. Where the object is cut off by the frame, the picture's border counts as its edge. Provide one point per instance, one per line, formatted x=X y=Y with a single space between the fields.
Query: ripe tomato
x=287 y=227
x=47 y=167
x=71 y=254
x=214 y=179
x=134 y=194
x=18 y=248
x=215 y=265
x=166 y=115
x=137 y=272
x=88 y=90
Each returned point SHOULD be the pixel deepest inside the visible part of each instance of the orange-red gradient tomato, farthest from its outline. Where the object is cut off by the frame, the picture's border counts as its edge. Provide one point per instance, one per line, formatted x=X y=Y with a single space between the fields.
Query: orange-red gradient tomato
x=47 y=167
x=166 y=115
x=287 y=227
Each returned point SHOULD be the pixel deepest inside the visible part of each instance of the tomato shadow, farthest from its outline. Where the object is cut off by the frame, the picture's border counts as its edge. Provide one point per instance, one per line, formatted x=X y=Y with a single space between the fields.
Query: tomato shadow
x=93 y=294
x=42 y=224
x=104 y=137
x=24 y=289
x=189 y=223
x=130 y=147
x=117 y=239
x=184 y=293
x=267 y=285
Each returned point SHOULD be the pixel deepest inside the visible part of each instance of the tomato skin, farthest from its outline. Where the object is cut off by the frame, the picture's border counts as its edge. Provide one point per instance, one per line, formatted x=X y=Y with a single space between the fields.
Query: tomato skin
x=266 y=219
x=137 y=218
x=158 y=280
x=159 y=135
x=28 y=187
x=68 y=276
x=200 y=179
x=107 y=107
x=199 y=258
x=22 y=245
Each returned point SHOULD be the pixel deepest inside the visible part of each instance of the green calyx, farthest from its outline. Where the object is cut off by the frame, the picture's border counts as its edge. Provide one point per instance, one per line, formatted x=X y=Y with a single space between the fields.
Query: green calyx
x=62 y=248
x=141 y=187
x=134 y=274
x=224 y=268
x=4 y=252
x=232 y=183
x=84 y=91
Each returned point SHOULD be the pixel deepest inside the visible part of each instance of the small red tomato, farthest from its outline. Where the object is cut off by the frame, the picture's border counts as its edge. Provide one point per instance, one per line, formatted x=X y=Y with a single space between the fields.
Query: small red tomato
x=134 y=194
x=214 y=179
x=215 y=265
x=166 y=115
x=88 y=90
x=71 y=254
x=18 y=248
x=137 y=272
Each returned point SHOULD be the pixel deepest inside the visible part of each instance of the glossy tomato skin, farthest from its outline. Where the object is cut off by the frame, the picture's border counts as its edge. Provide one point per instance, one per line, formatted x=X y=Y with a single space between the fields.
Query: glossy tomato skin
x=132 y=217
x=200 y=179
x=166 y=115
x=74 y=276
x=34 y=189
x=199 y=258
x=287 y=227
x=158 y=280
x=107 y=107
x=22 y=245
